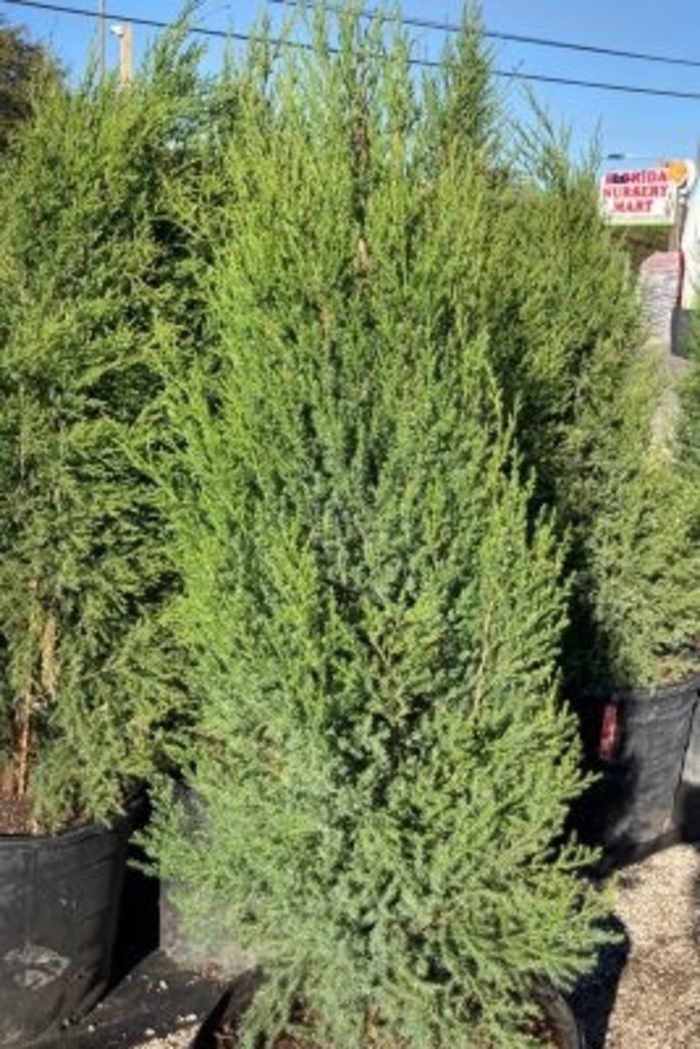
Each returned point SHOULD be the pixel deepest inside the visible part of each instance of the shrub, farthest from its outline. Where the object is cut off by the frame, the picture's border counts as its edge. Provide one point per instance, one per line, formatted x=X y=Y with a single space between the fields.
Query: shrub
x=372 y=613
x=595 y=425
x=640 y=559
x=90 y=270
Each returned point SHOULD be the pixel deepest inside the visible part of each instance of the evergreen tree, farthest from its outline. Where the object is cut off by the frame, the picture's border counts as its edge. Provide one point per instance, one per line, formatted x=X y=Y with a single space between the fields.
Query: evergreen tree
x=372 y=615
x=639 y=556
x=91 y=269
x=558 y=305
x=601 y=439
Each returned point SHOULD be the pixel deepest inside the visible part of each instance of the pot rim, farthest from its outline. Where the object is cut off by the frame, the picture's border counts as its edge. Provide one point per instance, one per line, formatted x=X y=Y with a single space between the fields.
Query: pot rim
x=120 y=823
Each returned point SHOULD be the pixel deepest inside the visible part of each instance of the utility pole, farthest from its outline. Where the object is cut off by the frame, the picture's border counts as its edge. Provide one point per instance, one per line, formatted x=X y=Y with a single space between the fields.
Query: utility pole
x=126 y=46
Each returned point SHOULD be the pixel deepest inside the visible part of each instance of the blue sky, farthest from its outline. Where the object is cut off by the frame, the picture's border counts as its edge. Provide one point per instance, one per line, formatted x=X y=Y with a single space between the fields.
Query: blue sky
x=645 y=127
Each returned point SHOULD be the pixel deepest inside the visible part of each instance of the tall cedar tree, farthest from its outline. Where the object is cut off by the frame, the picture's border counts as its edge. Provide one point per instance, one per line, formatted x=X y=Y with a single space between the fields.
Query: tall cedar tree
x=559 y=302
x=382 y=768
x=639 y=543
x=556 y=301
x=91 y=269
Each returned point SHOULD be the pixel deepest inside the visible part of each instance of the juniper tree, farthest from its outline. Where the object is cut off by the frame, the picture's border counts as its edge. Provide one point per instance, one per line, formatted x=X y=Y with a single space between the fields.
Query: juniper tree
x=371 y=612
x=554 y=298
x=577 y=331
x=602 y=437
x=557 y=301
x=639 y=568
x=91 y=269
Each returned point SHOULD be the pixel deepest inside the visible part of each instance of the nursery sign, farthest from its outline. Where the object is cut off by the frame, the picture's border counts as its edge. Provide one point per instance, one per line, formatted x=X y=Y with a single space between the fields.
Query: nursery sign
x=646 y=196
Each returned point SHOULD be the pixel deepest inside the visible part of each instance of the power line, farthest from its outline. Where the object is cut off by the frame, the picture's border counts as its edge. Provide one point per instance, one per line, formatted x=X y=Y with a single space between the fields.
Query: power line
x=630 y=89
x=149 y=23
x=224 y=34
x=538 y=41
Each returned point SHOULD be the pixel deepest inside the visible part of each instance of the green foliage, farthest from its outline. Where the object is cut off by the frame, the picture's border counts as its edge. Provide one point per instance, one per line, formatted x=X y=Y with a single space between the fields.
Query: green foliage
x=556 y=302
x=639 y=242
x=372 y=614
x=91 y=269
x=26 y=68
x=567 y=345
x=562 y=312
x=689 y=392
x=465 y=112
x=640 y=566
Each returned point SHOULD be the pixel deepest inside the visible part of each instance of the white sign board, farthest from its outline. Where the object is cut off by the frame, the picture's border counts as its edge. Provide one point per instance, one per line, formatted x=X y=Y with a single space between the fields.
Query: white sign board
x=646 y=196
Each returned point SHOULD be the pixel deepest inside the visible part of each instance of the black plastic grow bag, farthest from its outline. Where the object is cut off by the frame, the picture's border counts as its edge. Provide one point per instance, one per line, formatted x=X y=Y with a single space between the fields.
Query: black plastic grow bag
x=688 y=807
x=561 y=1027
x=59 y=908
x=638 y=742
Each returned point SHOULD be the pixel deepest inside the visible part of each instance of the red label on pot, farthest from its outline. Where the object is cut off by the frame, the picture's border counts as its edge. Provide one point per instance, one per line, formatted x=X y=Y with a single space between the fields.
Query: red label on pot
x=608 y=732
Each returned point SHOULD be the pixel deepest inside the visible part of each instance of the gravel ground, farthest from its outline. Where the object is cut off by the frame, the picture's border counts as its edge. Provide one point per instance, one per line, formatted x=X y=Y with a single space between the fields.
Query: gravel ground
x=656 y=1006
x=645 y=993
x=182 y=1038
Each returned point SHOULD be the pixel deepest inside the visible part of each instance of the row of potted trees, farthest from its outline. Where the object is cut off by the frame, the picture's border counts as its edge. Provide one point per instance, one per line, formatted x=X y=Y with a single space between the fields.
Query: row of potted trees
x=328 y=482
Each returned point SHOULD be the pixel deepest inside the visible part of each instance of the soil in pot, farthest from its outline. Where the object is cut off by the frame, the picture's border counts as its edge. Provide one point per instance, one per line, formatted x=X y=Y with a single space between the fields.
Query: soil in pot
x=17 y=816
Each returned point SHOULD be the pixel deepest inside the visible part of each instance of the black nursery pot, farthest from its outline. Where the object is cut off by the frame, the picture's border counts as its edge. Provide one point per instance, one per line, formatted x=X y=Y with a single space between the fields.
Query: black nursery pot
x=560 y=1026
x=59 y=908
x=688 y=806
x=556 y=1027
x=637 y=741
